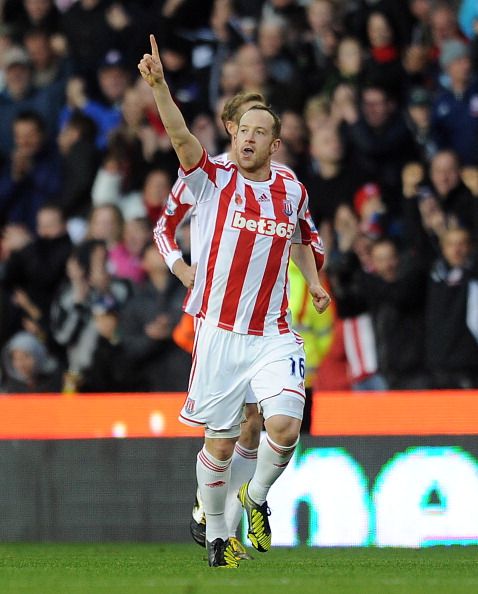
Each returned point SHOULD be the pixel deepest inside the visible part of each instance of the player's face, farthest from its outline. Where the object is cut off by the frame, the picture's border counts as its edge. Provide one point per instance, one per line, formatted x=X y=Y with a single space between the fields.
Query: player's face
x=254 y=140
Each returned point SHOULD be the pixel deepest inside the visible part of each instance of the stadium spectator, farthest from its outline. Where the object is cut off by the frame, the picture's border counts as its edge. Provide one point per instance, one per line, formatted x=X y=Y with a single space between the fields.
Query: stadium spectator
x=393 y=291
x=420 y=34
x=279 y=60
x=255 y=78
x=125 y=257
x=72 y=321
x=106 y=224
x=89 y=35
x=31 y=175
x=146 y=326
x=380 y=141
x=295 y=141
x=455 y=109
x=33 y=273
x=34 y=14
x=451 y=321
x=431 y=208
x=13 y=237
x=316 y=48
x=353 y=349
x=79 y=162
x=50 y=70
x=375 y=221
x=113 y=80
x=28 y=367
x=156 y=188
x=108 y=370
x=443 y=26
x=419 y=120
x=383 y=65
x=329 y=181
x=291 y=11
x=350 y=57
x=19 y=95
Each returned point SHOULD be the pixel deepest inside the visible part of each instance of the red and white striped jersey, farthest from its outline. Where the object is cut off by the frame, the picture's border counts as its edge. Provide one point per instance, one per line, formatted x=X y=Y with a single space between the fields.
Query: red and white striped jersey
x=245 y=230
x=179 y=206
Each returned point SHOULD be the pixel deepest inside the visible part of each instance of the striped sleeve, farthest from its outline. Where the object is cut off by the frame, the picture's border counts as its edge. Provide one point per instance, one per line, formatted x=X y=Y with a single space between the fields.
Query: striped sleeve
x=316 y=243
x=201 y=179
x=303 y=232
x=165 y=230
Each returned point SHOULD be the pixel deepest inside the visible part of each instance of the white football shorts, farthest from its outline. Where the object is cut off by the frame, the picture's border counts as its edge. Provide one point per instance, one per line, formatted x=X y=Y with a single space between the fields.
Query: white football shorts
x=228 y=368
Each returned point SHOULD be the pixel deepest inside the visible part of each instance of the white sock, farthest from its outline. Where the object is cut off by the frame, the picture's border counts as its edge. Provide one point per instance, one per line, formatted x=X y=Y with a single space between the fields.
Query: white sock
x=272 y=460
x=213 y=480
x=243 y=466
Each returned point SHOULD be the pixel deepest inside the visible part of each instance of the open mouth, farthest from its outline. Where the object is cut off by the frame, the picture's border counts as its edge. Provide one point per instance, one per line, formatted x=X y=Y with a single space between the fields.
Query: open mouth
x=247 y=151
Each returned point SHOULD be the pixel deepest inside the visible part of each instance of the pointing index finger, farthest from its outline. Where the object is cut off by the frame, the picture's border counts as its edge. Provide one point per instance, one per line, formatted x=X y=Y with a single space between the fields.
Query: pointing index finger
x=154 y=47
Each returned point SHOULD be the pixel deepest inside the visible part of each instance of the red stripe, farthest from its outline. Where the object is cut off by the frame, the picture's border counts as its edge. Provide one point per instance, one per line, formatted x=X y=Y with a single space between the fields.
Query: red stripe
x=191 y=420
x=224 y=200
x=302 y=197
x=282 y=321
x=165 y=231
x=237 y=274
x=294 y=392
x=244 y=454
x=280 y=450
x=273 y=266
x=191 y=374
x=209 y=464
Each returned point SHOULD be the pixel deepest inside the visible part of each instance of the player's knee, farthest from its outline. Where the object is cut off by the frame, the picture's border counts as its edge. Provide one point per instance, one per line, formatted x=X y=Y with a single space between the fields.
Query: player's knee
x=283 y=430
x=283 y=417
x=220 y=448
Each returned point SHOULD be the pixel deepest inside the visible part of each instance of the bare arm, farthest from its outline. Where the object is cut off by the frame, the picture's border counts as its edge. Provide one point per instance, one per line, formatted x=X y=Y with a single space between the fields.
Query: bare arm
x=304 y=259
x=186 y=145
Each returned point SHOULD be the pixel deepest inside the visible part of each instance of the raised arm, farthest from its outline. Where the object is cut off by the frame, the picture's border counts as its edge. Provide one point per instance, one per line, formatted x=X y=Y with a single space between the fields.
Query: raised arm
x=187 y=146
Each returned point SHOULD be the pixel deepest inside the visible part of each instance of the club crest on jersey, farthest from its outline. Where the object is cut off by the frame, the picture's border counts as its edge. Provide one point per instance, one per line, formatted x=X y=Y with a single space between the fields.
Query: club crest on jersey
x=170 y=207
x=288 y=209
x=189 y=406
x=238 y=199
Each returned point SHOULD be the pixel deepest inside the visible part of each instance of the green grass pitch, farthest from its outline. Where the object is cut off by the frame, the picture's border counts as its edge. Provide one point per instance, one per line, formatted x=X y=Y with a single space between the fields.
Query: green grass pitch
x=182 y=569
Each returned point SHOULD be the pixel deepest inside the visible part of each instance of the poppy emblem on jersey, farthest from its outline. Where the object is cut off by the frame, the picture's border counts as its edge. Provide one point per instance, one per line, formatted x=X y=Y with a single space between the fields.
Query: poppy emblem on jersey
x=190 y=404
x=288 y=210
x=238 y=199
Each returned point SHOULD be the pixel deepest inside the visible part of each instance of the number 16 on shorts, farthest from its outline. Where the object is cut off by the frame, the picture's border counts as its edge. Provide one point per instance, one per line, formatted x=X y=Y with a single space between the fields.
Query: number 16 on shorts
x=297 y=364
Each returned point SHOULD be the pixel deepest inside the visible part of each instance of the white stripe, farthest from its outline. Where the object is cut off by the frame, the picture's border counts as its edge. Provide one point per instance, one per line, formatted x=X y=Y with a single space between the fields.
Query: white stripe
x=351 y=348
x=367 y=343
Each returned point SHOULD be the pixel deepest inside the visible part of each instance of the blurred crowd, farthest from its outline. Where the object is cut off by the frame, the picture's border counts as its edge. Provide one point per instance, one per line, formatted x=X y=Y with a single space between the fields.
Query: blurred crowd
x=379 y=108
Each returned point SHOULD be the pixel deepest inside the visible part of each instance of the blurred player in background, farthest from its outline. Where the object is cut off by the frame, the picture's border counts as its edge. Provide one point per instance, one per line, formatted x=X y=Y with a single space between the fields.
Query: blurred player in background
x=249 y=218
